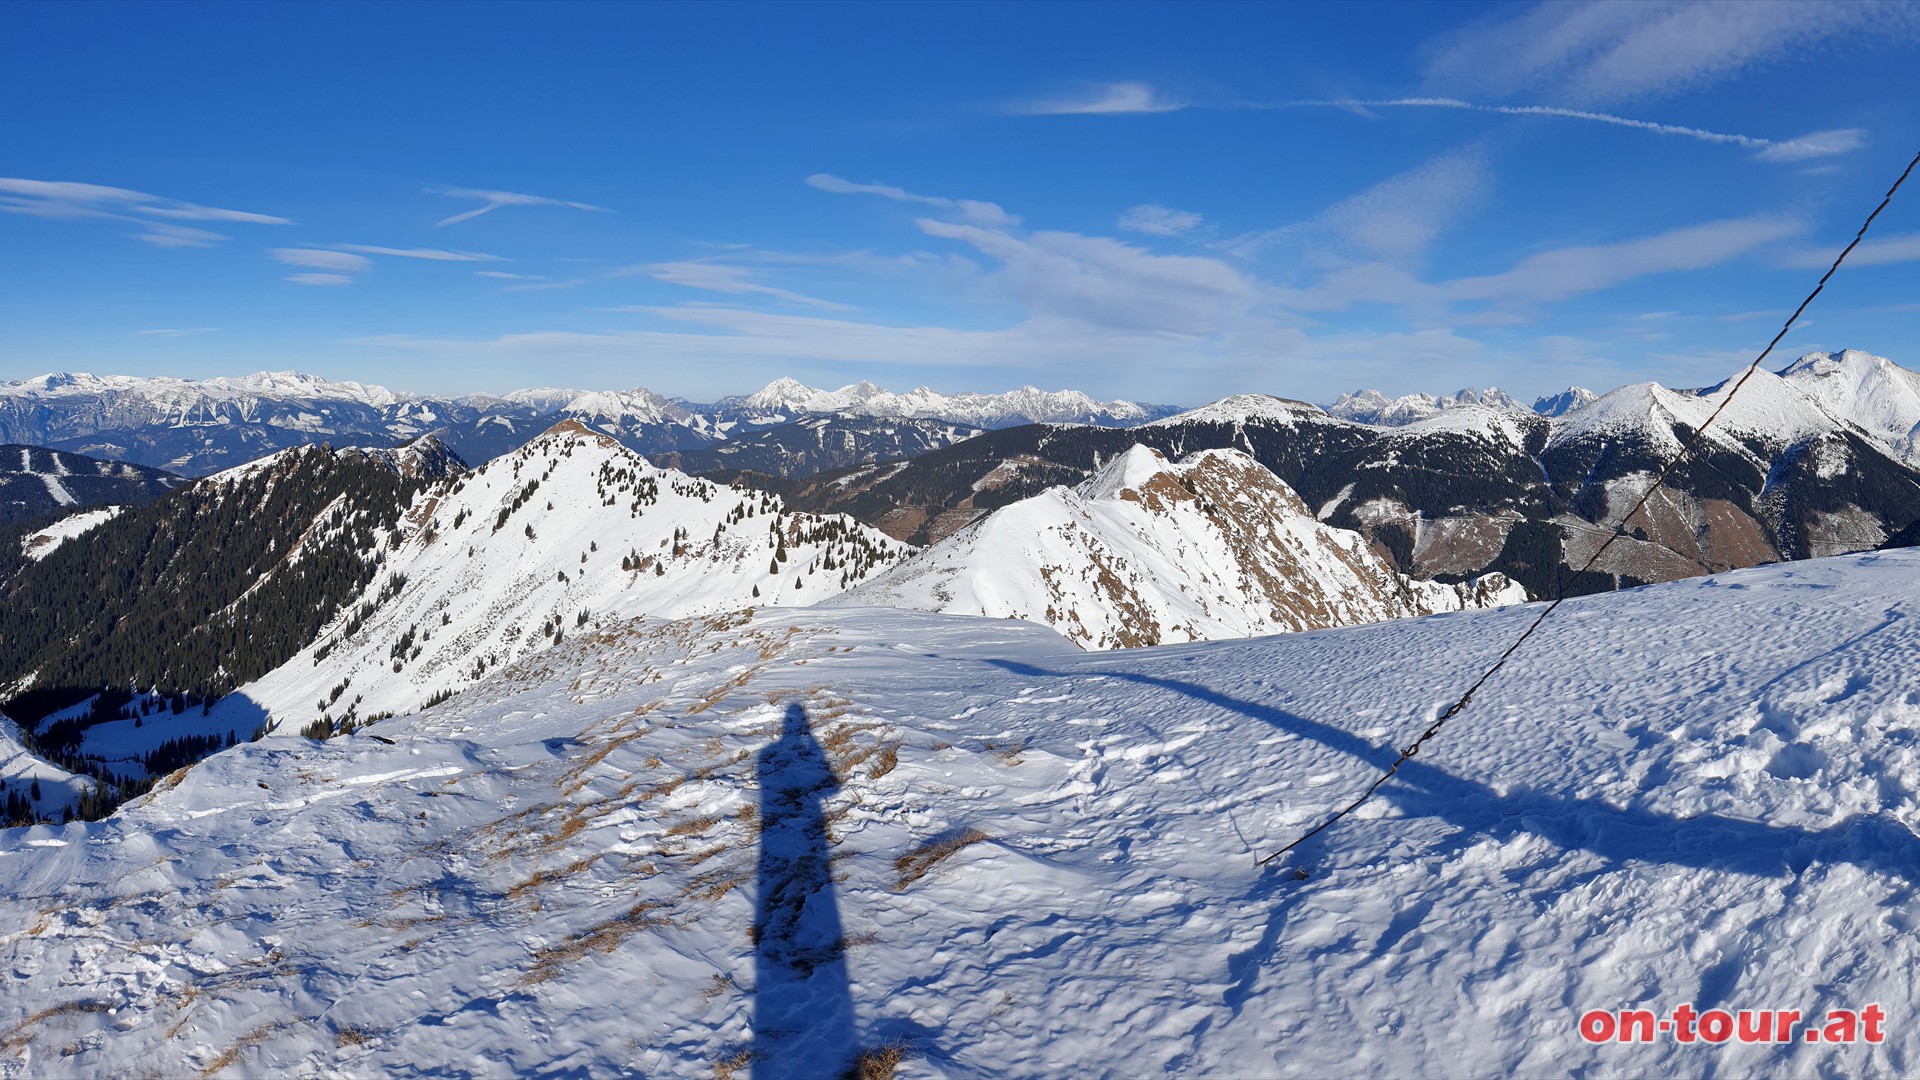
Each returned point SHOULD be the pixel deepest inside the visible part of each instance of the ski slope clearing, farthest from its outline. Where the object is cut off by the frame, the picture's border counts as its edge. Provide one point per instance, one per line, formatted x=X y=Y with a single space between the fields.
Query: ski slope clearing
x=40 y=543
x=652 y=848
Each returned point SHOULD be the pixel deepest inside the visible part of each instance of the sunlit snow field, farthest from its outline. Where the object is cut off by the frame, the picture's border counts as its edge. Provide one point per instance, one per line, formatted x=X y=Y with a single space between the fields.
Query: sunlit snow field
x=660 y=847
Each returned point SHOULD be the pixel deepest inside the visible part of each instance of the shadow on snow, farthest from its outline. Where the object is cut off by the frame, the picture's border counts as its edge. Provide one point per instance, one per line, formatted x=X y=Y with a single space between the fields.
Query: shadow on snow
x=802 y=1000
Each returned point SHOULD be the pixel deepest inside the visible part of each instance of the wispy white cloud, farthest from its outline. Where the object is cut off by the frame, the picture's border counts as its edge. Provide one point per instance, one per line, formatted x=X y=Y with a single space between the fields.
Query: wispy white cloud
x=320 y=279
x=1903 y=247
x=174 y=333
x=62 y=199
x=1155 y=220
x=494 y=200
x=432 y=254
x=731 y=280
x=1370 y=248
x=504 y=276
x=1368 y=241
x=1101 y=99
x=160 y=234
x=1595 y=52
x=1402 y=216
x=54 y=198
x=1568 y=271
x=538 y=284
x=1816 y=144
x=724 y=334
x=1098 y=281
x=321 y=259
x=984 y=213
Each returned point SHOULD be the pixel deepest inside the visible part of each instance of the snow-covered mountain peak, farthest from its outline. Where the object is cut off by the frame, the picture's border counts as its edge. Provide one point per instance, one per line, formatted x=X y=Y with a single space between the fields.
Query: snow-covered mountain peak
x=425 y=458
x=783 y=392
x=1240 y=408
x=639 y=405
x=1854 y=363
x=297 y=384
x=1374 y=407
x=1496 y=422
x=1136 y=467
x=1879 y=395
x=1768 y=411
x=57 y=380
x=568 y=531
x=1150 y=552
x=564 y=429
x=542 y=399
x=1564 y=402
x=1027 y=405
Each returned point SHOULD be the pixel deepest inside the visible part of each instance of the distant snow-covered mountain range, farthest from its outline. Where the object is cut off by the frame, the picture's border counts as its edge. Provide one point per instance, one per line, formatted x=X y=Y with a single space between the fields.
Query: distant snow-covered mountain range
x=1374 y=407
x=1820 y=458
x=195 y=427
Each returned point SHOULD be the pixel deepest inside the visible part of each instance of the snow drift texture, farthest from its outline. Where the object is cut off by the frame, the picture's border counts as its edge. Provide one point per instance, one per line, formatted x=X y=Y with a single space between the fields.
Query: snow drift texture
x=609 y=861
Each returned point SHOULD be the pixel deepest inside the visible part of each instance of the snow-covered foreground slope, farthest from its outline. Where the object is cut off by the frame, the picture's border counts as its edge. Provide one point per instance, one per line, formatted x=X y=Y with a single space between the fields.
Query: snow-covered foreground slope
x=615 y=859
x=1148 y=552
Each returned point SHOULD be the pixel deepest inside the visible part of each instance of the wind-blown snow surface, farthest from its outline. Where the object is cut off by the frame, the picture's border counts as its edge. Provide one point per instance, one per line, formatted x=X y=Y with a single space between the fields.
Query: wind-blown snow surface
x=1148 y=552
x=1696 y=792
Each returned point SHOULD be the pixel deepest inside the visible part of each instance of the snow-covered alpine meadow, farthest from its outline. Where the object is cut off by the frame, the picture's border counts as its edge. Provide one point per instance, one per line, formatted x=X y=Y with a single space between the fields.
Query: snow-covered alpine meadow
x=656 y=847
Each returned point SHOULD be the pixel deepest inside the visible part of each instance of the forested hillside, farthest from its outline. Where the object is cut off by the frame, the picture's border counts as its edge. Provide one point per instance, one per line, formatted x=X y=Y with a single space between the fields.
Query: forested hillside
x=212 y=586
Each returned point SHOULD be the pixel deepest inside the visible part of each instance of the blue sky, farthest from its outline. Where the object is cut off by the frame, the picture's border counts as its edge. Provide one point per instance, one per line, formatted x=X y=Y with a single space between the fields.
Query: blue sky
x=1162 y=202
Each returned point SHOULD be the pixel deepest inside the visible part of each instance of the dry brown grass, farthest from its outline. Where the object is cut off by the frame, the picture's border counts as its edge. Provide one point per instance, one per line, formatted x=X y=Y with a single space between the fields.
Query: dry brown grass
x=1007 y=752
x=889 y=757
x=17 y=1037
x=721 y=984
x=606 y=937
x=715 y=884
x=353 y=1036
x=914 y=864
x=544 y=877
x=726 y=1067
x=576 y=778
x=877 y=1063
x=692 y=825
x=232 y=1053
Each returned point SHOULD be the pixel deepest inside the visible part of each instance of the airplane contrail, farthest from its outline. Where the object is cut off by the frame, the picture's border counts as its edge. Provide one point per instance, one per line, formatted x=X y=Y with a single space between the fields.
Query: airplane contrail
x=1814 y=145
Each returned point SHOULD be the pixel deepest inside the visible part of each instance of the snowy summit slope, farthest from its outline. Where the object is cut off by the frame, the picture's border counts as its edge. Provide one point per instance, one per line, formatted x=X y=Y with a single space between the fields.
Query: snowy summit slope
x=1880 y=396
x=616 y=860
x=1148 y=552
x=569 y=531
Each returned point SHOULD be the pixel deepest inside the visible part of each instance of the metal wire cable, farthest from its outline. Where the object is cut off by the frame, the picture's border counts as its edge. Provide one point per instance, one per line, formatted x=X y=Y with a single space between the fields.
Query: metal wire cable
x=1560 y=592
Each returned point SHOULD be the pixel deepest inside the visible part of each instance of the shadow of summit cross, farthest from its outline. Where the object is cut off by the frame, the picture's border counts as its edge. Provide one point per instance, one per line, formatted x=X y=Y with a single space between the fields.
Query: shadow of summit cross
x=802 y=1002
